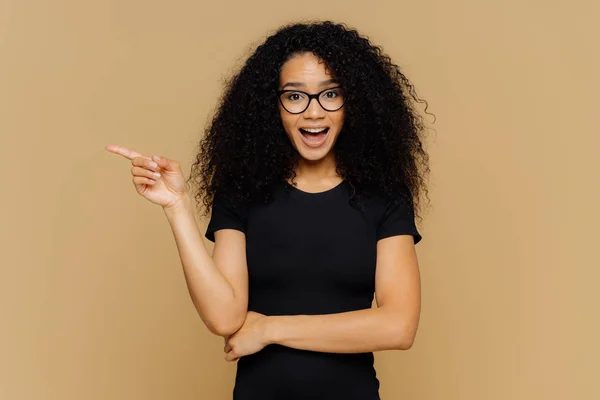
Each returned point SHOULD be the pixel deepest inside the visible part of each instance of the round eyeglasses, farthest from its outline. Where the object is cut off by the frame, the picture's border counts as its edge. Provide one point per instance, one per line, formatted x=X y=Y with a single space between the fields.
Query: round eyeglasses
x=297 y=101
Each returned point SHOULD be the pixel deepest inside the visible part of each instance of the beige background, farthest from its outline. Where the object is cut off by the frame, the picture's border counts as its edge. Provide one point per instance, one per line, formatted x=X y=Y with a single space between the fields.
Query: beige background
x=92 y=297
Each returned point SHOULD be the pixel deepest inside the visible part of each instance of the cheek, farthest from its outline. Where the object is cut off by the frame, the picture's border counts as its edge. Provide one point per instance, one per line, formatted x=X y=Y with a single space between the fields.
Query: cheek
x=288 y=121
x=338 y=119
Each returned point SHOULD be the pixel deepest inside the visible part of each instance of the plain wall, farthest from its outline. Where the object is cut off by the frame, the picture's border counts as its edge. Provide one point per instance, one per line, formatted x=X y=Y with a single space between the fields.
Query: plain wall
x=92 y=296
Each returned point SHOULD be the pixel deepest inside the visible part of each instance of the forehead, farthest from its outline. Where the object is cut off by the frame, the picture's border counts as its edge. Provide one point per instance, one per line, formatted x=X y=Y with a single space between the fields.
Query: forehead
x=304 y=67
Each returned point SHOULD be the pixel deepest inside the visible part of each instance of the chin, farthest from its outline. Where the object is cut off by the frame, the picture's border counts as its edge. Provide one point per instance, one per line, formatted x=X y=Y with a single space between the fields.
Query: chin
x=313 y=155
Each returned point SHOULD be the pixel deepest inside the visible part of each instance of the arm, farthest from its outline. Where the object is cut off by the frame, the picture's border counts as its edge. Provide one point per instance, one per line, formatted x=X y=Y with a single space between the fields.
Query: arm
x=392 y=325
x=217 y=284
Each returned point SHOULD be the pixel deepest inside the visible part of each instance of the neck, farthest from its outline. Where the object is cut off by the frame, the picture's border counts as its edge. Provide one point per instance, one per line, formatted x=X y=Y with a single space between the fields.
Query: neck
x=316 y=170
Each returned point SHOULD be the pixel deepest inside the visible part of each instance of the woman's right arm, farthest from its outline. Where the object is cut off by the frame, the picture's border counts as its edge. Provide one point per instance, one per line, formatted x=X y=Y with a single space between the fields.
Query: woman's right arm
x=218 y=285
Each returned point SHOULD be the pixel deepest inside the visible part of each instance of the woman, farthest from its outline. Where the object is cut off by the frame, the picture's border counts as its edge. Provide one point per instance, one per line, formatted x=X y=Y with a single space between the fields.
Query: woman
x=312 y=167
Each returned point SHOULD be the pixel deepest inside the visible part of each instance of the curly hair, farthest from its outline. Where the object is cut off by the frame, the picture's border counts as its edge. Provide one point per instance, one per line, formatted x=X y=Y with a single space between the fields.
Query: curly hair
x=245 y=150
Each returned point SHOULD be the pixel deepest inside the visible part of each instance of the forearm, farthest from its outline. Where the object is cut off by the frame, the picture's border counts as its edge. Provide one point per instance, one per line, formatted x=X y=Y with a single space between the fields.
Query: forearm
x=358 y=331
x=210 y=292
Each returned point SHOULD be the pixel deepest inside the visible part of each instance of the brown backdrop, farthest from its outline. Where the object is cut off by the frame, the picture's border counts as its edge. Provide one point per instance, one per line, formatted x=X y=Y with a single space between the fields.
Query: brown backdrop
x=92 y=297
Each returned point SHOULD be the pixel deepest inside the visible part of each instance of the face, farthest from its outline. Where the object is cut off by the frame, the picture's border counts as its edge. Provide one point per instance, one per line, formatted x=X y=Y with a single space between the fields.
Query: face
x=305 y=72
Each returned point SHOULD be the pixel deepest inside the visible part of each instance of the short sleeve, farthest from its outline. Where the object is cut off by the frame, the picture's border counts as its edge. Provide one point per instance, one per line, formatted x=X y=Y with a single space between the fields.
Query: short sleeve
x=398 y=220
x=224 y=216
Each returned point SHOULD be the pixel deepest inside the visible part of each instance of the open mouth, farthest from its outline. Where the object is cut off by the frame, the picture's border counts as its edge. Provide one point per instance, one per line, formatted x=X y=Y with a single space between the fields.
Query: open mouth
x=314 y=137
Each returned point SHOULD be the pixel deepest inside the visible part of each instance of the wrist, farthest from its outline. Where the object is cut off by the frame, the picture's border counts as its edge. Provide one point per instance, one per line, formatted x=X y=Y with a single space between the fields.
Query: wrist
x=182 y=205
x=270 y=329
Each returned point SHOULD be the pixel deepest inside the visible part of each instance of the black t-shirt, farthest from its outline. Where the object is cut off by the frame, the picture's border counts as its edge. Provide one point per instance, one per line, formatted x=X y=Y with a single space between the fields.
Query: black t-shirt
x=308 y=254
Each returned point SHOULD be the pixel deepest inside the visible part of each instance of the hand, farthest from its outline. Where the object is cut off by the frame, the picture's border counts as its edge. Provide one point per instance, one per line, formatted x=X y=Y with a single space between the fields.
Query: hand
x=249 y=339
x=165 y=189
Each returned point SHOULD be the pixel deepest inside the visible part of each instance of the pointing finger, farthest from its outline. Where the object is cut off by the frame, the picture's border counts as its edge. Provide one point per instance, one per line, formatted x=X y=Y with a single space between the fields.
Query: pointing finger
x=125 y=152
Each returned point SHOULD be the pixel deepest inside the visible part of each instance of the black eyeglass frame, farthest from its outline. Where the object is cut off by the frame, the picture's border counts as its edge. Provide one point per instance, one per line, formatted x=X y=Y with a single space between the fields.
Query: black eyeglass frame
x=310 y=97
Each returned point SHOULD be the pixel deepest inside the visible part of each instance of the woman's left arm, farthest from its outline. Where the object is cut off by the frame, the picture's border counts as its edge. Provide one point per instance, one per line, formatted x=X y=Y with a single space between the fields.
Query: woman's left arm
x=392 y=325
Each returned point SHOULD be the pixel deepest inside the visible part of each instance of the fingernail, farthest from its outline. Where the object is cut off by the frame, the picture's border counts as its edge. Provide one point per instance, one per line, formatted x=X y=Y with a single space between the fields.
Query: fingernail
x=153 y=164
x=157 y=158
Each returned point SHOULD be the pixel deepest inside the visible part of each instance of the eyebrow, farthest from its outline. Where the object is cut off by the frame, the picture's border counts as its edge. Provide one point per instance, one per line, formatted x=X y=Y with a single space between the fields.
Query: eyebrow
x=300 y=84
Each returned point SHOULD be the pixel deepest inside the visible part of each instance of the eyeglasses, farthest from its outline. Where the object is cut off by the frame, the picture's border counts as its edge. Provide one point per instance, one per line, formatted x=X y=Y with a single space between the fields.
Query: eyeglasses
x=297 y=101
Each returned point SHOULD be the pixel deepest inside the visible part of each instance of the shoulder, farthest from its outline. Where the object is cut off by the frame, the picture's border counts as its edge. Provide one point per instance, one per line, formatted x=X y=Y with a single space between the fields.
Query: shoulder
x=394 y=215
x=381 y=203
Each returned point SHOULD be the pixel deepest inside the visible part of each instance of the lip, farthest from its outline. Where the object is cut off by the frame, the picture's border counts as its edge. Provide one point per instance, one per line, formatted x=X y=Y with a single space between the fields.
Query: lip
x=314 y=144
x=313 y=127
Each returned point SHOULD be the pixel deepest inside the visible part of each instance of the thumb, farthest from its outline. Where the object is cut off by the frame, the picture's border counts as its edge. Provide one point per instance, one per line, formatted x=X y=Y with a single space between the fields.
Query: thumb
x=165 y=163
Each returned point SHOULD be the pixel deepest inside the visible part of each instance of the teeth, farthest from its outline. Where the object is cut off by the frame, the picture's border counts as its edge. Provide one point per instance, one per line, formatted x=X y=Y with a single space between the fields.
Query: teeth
x=313 y=130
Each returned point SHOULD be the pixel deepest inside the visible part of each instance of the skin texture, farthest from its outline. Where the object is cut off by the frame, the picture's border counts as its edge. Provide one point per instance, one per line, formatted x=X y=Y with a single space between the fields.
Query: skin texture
x=316 y=165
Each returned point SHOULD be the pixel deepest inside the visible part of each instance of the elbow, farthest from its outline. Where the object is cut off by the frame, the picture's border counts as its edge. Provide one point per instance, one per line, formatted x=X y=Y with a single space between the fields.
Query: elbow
x=404 y=344
x=225 y=327
x=404 y=337
x=222 y=323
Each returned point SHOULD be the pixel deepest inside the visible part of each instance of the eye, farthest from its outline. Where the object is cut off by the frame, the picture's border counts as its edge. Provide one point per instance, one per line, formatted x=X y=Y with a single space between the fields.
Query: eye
x=332 y=94
x=294 y=96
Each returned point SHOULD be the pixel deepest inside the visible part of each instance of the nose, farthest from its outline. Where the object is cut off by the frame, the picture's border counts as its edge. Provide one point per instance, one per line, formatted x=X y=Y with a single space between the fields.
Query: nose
x=314 y=110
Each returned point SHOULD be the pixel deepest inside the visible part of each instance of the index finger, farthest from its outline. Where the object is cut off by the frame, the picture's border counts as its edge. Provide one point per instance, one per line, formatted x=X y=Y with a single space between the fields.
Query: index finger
x=125 y=152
